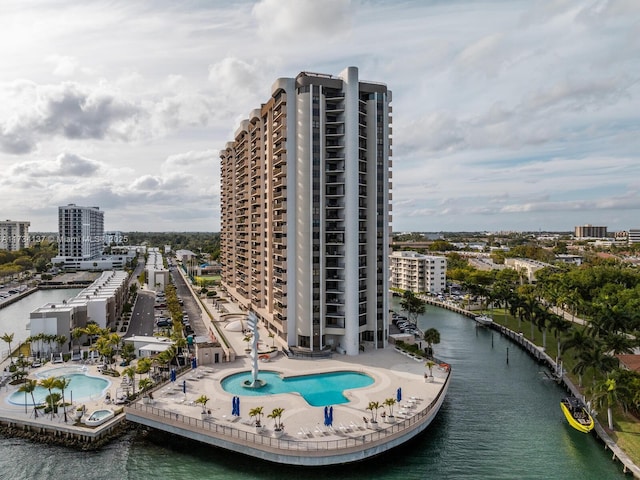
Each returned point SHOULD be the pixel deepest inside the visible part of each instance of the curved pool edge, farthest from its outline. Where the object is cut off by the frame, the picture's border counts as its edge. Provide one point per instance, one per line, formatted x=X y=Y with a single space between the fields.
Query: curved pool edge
x=344 y=450
x=309 y=395
x=66 y=371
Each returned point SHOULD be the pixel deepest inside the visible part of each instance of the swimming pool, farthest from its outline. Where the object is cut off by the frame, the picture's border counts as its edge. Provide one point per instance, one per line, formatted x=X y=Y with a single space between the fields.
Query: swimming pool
x=318 y=390
x=81 y=386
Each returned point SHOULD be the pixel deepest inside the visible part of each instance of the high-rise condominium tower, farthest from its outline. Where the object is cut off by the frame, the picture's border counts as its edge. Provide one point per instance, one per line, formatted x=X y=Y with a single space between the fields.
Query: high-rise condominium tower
x=305 y=212
x=14 y=235
x=80 y=232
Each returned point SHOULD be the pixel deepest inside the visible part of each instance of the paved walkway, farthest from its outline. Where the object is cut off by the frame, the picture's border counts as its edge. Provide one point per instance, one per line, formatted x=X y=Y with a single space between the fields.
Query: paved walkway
x=389 y=369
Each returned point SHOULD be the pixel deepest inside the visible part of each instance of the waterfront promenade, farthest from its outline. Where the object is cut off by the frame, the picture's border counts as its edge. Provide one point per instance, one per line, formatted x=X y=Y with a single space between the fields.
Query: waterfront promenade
x=351 y=436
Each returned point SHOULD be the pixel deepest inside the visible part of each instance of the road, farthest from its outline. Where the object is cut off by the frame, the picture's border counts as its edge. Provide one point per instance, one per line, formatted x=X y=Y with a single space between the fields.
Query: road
x=190 y=306
x=142 y=321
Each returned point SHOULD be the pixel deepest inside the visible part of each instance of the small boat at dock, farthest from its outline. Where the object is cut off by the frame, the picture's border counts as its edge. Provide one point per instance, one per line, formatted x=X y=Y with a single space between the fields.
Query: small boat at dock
x=577 y=414
x=484 y=320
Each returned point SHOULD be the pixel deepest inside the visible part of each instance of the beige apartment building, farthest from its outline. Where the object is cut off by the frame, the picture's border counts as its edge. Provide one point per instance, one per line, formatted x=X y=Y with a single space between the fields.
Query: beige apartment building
x=305 y=212
x=14 y=235
x=418 y=273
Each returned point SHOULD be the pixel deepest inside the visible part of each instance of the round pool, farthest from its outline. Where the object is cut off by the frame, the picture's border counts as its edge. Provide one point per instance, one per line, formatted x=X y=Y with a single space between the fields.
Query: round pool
x=318 y=390
x=81 y=387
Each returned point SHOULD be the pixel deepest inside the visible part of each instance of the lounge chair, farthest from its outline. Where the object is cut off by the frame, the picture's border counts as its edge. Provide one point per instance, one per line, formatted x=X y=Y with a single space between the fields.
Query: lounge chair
x=343 y=428
x=355 y=426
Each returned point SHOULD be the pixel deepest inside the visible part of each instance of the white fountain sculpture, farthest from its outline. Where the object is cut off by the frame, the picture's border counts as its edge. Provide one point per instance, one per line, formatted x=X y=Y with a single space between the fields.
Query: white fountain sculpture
x=252 y=322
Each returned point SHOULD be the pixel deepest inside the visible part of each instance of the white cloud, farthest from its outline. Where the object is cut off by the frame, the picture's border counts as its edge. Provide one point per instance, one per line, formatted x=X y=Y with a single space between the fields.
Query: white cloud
x=65 y=165
x=506 y=114
x=295 y=20
x=64 y=66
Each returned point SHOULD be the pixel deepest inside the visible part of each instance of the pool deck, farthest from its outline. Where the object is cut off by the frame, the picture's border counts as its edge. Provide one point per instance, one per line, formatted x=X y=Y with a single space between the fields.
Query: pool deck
x=306 y=440
x=15 y=416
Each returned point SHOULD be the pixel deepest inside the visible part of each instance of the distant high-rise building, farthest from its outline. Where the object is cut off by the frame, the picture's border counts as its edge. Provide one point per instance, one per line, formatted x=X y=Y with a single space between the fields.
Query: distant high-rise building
x=14 y=236
x=80 y=232
x=305 y=212
x=590 y=231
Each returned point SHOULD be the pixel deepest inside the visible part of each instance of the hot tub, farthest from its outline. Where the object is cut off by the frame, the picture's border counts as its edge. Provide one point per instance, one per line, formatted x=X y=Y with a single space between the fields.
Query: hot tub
x=98 y=417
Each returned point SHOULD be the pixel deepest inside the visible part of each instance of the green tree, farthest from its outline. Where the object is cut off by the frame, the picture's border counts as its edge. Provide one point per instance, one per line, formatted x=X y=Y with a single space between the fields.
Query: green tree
x=130 y=372
x=606 y=395
x=276 y=416
x=413 y=305
x=61 y=384
x=257 y=413
x=8 y=338
x=374 y=407
x=202 y=400
x=29 y=386
x=432 y=337
x=389 y=403
x=50 y=383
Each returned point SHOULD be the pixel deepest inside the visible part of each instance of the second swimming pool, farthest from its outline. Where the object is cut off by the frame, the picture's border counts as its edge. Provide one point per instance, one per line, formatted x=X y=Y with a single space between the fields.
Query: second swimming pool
x=318 y=390
x=81 y=387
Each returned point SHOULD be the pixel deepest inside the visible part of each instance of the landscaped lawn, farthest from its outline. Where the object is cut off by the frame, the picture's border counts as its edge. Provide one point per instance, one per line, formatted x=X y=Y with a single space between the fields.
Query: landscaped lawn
x=627 y=434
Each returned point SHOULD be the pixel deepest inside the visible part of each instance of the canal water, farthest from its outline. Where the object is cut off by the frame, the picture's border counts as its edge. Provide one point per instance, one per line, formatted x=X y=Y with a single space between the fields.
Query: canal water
x=14 y=318
x=499 y=421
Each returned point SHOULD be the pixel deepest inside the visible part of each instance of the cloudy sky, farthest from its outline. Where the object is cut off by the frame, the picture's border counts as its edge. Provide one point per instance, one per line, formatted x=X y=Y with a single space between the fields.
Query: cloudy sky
x=507 y=114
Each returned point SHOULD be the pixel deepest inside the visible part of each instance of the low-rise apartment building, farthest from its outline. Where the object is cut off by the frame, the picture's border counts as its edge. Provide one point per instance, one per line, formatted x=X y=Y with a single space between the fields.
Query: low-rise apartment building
x=418 y=273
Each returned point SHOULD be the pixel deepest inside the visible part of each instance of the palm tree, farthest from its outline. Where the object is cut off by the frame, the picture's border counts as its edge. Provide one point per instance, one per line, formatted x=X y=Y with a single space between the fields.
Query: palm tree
x=606 y=395
x=432 y=337
x=144 y=365
x=8 y=338
x=163 y=359
x=29 y=387
x=76 y=333
x=430 y=364
x=559 y=326
x=578 y=340
x=595 y=359
x=276 y=415
x=202 y=400
x=92 y=329
x=374 y=407
x=61 y=384
x=257 y=413
x=50 y=383
x=60 y=340
x=145 y=384
x=130 y=372
x=389 y=403
x=179 y=343
x=618 y=343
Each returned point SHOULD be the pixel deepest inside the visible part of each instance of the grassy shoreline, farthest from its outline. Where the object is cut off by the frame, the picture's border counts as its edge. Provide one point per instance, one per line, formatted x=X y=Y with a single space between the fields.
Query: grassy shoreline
x=627 y=427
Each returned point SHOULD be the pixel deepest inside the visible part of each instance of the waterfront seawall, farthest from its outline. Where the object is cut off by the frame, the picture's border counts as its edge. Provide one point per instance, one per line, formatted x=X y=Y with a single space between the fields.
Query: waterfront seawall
x=542 y=357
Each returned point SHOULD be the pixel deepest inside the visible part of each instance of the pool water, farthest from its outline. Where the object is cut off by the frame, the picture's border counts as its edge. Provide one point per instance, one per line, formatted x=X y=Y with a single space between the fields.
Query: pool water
x=318 y=390
x=81 y=387
x=100 y=414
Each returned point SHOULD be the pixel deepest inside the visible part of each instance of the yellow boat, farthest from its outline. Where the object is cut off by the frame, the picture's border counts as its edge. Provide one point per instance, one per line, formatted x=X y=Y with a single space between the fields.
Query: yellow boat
x=577 y=414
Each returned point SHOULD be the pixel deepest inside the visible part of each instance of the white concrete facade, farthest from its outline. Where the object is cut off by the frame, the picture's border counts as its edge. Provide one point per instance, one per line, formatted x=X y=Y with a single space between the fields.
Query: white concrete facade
x=101 y=302
x=418 y=273
x=157 y=275
x=526 y=267
x=80 y=235
x=14 y=235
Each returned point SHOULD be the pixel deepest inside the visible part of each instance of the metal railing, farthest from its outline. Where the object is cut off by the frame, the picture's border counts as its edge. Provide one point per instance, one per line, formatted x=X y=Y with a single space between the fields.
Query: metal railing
x=353 y=440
